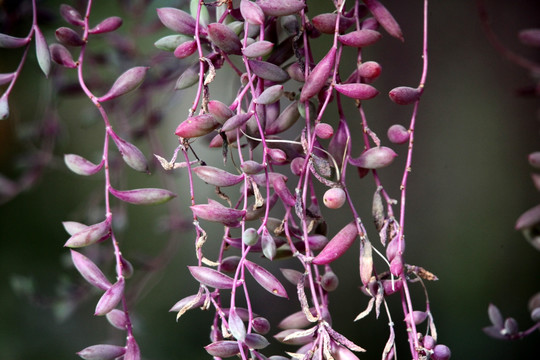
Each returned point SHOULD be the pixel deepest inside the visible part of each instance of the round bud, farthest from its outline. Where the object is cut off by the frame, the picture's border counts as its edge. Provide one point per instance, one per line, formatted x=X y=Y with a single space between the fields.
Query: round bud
x=250 y=237
x=429 y=342
x=278 y=156
x=397 y=134
x=324 y=131
x=261 y=325
x=329 y=281
x=297 y=165
x=441 y=352
x=334 y=198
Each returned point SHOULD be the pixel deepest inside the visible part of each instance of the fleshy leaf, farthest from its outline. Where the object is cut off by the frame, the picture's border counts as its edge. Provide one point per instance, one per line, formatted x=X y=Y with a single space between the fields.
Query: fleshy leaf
x=145 y=196
x=266 y=279
x=62 y=56
x=177 y=20
x=374 y=158
x=128 y=81
x=280 y=7
x=318 y=76
x=89 y=271
x=131 y=154
x=236 y=325
x=132 y=349
x=107 y=25
x=339 y=244
x=211 y=277
x=10 y=42
x=223 y=348
x=80 y=165
x=117 y=318
x=90 y=235
x=111 y=298
x=384 y=18
x=42 y=52
x=102 y=352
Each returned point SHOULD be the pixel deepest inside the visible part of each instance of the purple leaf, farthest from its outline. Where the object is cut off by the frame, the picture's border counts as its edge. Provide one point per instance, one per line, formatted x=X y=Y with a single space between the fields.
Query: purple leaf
x=223 y=348
x=326 y=23
x=268 y=71
x=236 y=325
x=360 y=38
x=6 y=78
x=529 y=218
x=269 y=95
x=71 y=15
x=220 y=111
x=185 y=49
x=405 y=95
x=117 y=318
x=90 y=235
x=374 y=158
x=196 y=126
x=339 y=244
x=89 y=271
x=296 y=320
x=251 y=167
x=285 y=120
x=256 y=341
x=42 y=52
x=217 y=177
x=128 y=81
x=177 y=20
x=211 y=277
x=131 y=154
x=62 y=56
x=146 y=196
x=251 y=12
x=218 y=213
x=107 y=25
x=357 y=91
x=280 y=7
x=266 y=279
x=224 y=38
x=318 y=76
x=236 y=121
x=68 y=37
x=80 y=165
x=102 y=352
x=258 y=48
x=110 y=299
x=11 y=42
x=261 y=325
x=132 y=350
x=384 y=18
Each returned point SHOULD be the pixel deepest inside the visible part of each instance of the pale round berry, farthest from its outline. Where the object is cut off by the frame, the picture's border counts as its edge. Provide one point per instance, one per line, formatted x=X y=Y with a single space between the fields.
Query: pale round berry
x=397 y=134
x=334 y=198
x=250 y=237
x=324 y=131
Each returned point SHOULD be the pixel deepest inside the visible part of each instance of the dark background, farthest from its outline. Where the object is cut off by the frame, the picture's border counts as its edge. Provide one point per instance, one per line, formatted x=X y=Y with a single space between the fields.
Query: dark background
x=470 y=182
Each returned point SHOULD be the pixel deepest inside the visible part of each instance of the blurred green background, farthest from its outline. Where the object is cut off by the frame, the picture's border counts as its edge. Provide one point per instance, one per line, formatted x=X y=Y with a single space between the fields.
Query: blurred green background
x=470 y=182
